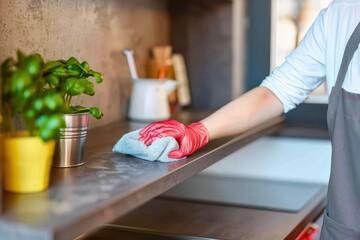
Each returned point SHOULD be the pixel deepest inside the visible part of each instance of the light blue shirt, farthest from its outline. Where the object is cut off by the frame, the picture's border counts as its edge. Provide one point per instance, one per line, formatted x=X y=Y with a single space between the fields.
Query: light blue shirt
x=318 y=56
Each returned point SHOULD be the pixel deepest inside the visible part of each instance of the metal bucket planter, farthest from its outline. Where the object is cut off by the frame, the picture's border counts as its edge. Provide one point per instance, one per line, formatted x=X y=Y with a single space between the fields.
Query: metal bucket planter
x=69 y=149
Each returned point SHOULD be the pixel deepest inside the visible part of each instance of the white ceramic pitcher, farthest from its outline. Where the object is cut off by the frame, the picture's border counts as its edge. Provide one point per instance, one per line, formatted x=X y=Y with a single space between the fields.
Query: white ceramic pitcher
x=149 y=99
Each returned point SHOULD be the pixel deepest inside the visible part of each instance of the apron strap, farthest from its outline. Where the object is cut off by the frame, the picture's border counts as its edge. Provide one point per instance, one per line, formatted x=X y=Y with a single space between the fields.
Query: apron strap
x=350 y=49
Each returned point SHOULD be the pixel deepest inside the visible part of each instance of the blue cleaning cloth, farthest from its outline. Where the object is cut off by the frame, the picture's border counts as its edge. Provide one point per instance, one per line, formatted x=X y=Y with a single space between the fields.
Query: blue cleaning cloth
x=157 y=151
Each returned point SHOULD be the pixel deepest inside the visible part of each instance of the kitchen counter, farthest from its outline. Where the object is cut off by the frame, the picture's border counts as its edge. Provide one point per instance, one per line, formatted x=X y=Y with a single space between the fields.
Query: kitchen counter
x=267 y=190
x=110 y=185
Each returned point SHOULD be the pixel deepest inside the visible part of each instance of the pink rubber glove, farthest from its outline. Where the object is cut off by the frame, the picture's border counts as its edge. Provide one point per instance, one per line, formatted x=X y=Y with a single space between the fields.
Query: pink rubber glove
x=190 y=137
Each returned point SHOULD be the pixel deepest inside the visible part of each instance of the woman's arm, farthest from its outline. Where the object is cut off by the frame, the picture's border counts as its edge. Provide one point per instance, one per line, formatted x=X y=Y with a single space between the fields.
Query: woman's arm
x=243 y=113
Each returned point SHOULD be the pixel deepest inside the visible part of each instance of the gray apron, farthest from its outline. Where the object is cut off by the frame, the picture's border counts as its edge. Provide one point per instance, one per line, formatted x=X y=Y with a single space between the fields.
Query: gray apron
x=342 y=215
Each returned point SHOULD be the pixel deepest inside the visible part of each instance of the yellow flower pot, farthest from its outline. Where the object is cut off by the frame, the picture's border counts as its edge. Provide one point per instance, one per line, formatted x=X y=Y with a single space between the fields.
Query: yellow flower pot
x=26 y=163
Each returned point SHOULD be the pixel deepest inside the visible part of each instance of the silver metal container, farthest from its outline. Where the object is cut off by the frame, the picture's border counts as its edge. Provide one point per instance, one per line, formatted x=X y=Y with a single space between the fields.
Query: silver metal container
x=69 y=150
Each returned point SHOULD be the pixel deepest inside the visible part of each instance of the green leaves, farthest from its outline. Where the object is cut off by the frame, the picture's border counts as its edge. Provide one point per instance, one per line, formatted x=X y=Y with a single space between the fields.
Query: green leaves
x=20 y=81
x=75 y=68
x=46 y=113
x=49 y=101
x=85 y=66
x=53 y=64
x=33 y=64
x=96 y=75
x=53 y=101
x=75 y=86
x=25 y=93
x=72 y=78
x=89 y=89
x=42 y=91
x=49 y=126
x=38 y=104
x=94 y=111
x=52 y=80
x=72 y=61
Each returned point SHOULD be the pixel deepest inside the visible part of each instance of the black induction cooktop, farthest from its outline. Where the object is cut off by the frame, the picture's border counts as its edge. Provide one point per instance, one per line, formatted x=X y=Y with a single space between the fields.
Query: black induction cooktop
x=246 y=192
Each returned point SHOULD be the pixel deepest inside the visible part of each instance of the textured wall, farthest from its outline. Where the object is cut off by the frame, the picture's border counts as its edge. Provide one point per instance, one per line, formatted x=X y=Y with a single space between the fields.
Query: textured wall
x=92 y=30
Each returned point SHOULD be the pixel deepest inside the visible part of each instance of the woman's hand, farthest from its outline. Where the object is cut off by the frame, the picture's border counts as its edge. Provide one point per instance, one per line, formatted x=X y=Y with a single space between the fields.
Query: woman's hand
x=190 y=137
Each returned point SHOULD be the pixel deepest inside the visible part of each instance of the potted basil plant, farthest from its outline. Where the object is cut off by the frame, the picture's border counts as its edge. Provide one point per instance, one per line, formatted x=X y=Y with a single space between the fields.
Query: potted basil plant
x=71 y=78
x=27 y=147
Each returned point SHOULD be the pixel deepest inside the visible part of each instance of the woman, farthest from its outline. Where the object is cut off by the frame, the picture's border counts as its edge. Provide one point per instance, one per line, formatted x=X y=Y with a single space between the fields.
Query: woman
x=328 y=50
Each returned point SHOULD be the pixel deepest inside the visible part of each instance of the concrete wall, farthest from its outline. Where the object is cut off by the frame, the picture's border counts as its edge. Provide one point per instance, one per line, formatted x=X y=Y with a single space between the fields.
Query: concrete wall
x=92 y=30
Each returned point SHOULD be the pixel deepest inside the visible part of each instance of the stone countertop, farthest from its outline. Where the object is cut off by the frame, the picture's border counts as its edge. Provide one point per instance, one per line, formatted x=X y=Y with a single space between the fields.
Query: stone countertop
x=108 y=185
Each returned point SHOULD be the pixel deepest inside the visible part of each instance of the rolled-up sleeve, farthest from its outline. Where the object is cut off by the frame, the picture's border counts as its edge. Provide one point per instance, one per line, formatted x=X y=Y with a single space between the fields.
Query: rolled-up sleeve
x=303 y=70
